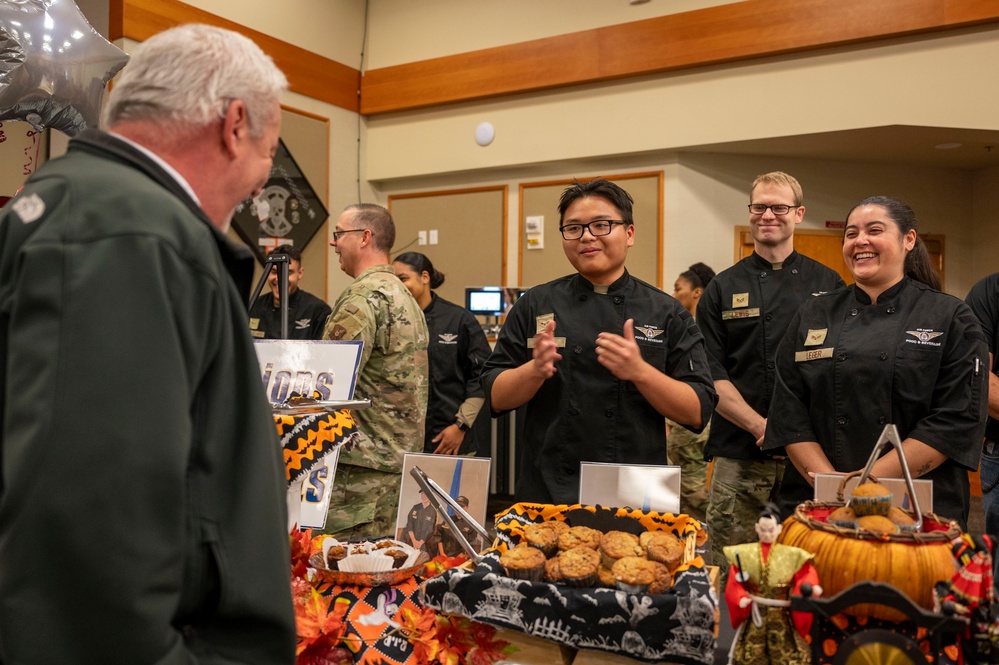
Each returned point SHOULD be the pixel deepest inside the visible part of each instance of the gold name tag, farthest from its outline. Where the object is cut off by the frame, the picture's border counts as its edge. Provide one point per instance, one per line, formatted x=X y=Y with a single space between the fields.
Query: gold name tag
x=559 y=342
x=740 y=313
x=814 y=354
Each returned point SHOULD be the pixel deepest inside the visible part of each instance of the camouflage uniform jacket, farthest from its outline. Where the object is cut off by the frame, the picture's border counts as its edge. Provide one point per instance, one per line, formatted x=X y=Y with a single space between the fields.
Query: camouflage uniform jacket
x=377 y=309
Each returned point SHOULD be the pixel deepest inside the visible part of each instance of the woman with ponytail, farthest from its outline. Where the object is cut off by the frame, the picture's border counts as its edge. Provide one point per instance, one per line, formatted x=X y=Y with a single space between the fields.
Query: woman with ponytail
x=889 y=349
x=457 y=351
x=683 y=447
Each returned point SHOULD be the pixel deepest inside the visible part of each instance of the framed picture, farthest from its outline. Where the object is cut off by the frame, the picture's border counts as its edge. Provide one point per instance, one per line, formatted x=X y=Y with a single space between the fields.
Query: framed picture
x=636 y=486
x=466 y=479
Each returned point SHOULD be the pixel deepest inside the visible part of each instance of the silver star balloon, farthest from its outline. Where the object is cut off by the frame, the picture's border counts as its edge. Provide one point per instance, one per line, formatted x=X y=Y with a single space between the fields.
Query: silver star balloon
x=54 y=67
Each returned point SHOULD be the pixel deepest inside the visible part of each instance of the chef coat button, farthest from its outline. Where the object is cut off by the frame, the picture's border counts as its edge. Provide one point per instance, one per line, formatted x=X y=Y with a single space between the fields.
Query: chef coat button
x=841 y=357
x=883 y=356
x=770 y=364
x=582 y=297
x=618 y=300
x=794 y=271
x=769 y=317
x=841 y=420
x=573 y=412
x=763 y=274
x=853 y=312
x=882 y=420
x=609 y=413
x=890 y=310
x=577 y=349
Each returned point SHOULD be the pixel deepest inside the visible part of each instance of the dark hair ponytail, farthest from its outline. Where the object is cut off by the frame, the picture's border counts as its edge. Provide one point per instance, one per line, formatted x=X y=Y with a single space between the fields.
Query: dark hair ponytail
x=699 y=275
x=919 y=267
x=420 y=263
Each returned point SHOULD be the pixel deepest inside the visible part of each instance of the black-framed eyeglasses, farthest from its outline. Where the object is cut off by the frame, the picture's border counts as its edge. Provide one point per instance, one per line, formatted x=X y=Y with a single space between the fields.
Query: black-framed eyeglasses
x=777 y=208
x=337 y=234
x=600 y=227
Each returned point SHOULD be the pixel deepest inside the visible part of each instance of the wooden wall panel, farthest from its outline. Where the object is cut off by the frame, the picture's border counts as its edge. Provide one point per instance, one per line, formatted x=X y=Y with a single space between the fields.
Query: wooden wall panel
x=723 y=34
x=308 y=74
x=715 y=35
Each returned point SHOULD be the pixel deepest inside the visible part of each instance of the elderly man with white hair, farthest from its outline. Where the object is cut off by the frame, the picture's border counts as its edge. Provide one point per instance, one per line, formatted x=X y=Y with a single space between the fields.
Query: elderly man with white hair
x=142 y=514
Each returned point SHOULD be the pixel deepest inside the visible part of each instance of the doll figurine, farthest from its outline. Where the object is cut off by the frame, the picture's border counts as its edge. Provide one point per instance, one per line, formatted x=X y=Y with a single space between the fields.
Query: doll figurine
x=761 y=578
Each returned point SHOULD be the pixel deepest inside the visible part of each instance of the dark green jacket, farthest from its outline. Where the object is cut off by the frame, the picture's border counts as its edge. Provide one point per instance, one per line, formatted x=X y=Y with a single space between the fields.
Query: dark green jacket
x=142 y=514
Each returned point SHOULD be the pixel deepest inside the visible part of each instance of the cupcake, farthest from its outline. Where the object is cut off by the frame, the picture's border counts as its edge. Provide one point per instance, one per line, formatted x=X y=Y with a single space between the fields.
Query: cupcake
x=579 y=566
x=634 y=574
x=877 y=524
x=398 y=557
x=665 y=548
x=870 y=499
x=524 y=563
x=844 y=517
x=541 y=537
x=553 y=570
x=901 y=519
x=617 y=544
x=662 y=580
x=580 y=536
x=334 y=556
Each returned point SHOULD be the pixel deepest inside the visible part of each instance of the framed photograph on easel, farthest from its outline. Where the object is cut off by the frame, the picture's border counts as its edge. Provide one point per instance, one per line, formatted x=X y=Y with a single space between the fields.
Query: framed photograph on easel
x=467 y=482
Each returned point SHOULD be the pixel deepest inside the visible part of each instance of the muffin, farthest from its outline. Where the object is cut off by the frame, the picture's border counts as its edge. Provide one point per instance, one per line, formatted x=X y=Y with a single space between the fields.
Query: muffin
x=558 y=526
x=870 y=499
x=877 y=524
x=901 y=519
x=580 y=536
x=843 y=516
x=553 y=571
x=541 y=537
x=524 y=563
x=334 y=556
x=634 y=574
x=662 y=580
x=579 y=566
x=615 y=545
x=665 y=548
x=605 y=577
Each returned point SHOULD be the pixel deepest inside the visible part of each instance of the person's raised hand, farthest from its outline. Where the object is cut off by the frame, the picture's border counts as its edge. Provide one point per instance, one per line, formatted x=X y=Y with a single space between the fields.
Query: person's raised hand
x=546 y=352
x=620 y=353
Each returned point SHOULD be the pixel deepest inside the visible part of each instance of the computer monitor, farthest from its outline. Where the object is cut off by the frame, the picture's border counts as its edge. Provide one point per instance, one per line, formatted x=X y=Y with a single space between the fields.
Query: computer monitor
x=484 y=300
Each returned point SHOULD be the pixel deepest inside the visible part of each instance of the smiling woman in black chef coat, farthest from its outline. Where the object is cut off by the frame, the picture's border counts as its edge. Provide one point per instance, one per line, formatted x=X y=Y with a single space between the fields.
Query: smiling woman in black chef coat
x=888 y=349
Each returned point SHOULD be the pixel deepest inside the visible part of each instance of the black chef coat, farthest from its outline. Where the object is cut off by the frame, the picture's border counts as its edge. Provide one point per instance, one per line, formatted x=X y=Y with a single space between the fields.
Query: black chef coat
x=984 y=302
x=307 y=315
x=743 y=315
x=458 y=349
x=583 y=413
x=917 y=359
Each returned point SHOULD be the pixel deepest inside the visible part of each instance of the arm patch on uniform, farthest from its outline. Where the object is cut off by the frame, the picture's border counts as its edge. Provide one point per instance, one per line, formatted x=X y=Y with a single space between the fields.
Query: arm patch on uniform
x=338 y=332
x=351 y=308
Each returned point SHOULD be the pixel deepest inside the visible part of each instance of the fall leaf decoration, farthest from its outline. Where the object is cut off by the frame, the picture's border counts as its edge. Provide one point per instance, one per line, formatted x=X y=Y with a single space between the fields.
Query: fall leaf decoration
x=440 y=563
x=451 y=640
x=319 y=629
x=301 y=544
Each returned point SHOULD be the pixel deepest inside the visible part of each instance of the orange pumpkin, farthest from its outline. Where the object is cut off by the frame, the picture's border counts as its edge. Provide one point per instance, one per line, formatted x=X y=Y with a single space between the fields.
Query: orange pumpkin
x=841 y=561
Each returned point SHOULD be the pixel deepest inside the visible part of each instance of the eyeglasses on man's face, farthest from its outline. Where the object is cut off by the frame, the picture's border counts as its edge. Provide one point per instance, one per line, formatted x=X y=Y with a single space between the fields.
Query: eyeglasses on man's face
x=777 y=208
x=338 y=234
x=600 y=227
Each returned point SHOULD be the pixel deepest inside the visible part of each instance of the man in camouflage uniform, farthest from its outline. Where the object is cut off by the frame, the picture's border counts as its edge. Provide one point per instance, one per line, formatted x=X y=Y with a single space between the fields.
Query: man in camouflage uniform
x=685 y=449
x=377 y=309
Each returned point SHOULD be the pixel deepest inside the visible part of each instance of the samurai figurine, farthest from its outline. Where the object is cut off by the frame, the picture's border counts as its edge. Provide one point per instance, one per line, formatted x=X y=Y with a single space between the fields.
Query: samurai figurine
x=761 y=578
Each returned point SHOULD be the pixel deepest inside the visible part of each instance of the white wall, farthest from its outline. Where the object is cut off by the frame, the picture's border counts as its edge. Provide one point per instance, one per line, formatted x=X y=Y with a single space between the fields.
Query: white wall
x=404 y=31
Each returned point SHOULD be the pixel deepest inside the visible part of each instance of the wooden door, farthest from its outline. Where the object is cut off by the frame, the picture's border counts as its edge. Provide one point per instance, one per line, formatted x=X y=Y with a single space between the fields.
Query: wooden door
x=826 y=247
